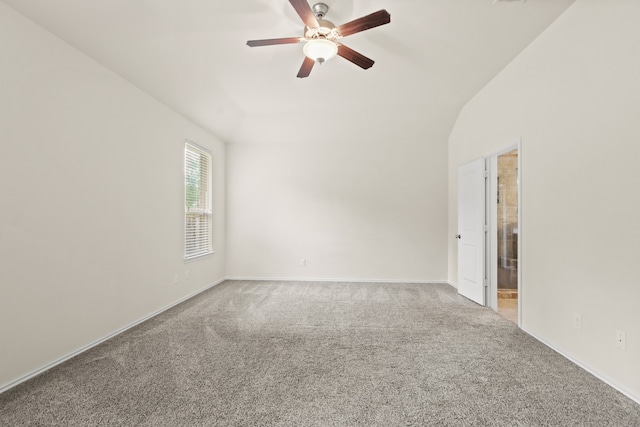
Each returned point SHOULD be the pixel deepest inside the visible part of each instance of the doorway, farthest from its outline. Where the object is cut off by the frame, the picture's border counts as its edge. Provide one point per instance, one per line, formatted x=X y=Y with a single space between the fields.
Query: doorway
x=504 y=246
x=489 y=231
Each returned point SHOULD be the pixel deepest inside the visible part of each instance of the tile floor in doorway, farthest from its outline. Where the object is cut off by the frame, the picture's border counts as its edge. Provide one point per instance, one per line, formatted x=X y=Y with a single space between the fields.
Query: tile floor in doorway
x=508 y=308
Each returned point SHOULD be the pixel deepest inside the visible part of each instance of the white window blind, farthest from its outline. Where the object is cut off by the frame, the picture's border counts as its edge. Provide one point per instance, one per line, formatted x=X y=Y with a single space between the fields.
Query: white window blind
x=198 y=222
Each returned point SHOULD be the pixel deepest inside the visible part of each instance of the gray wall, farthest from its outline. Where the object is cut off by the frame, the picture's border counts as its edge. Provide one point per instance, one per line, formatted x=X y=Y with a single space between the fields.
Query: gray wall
x=91 y=178
x=574 y=97
x=355 y=207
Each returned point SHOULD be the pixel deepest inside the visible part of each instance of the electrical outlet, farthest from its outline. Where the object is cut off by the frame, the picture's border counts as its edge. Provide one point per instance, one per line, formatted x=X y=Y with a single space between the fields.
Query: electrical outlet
x=577 y=321
x=621 y=340
x=303 y=262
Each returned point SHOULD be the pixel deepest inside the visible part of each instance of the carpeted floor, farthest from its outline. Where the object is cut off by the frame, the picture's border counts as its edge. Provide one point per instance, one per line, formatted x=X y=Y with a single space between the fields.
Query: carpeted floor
x=320 y=354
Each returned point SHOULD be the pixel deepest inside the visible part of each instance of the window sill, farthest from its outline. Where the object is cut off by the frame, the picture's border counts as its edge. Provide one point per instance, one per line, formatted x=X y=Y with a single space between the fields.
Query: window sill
x=198 y=257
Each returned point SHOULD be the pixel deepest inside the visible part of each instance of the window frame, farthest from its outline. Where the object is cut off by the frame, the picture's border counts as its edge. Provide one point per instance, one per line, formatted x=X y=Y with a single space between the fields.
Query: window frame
x=205 y=248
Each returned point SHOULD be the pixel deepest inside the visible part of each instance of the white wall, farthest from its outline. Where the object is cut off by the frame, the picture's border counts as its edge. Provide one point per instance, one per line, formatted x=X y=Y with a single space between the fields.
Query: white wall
x=574 y=97
x=91 y=189
x=357 y=207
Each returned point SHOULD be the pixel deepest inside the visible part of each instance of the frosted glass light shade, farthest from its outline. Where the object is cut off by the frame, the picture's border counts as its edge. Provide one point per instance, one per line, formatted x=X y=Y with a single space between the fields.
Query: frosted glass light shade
x=320 y=50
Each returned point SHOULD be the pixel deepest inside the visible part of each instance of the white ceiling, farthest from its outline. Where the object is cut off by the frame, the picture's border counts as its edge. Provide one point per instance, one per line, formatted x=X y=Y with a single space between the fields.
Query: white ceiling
x=191 y=55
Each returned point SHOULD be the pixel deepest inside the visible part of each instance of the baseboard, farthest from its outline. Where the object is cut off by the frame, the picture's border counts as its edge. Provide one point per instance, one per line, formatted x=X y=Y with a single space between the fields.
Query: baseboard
x=349 y=280
x=62 y=359
x=587 y=368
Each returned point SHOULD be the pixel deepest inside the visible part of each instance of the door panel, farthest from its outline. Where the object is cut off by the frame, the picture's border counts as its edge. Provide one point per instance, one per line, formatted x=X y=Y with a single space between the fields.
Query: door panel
x=471 y=235
x=469 y=271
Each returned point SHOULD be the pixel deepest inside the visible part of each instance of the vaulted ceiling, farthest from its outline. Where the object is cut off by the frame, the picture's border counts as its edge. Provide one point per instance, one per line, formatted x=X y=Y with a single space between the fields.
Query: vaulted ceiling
x=191 y=55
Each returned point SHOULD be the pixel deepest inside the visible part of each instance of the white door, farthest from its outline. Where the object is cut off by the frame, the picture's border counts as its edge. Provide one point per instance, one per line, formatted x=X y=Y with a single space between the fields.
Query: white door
x=471 y=235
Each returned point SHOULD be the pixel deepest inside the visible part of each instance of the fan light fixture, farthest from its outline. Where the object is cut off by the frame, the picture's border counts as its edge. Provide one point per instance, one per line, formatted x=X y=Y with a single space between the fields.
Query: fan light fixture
x=320 y=50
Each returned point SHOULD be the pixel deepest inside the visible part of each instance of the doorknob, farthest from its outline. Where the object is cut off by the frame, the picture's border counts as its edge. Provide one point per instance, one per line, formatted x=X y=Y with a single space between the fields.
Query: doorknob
x=458 y=236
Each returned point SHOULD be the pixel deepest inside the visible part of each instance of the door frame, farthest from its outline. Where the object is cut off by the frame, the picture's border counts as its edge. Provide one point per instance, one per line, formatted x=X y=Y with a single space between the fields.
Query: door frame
x=492 y=220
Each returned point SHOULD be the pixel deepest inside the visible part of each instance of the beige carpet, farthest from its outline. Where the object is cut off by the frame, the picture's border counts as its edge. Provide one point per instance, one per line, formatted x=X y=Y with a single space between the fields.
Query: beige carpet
x=320 y=354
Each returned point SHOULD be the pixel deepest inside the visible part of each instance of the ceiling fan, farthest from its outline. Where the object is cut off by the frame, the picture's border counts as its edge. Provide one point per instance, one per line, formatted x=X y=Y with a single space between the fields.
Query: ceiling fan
x=321 y=36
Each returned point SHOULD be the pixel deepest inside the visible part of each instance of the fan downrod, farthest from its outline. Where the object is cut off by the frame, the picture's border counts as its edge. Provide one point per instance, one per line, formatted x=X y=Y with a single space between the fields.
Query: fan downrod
x=320 y=10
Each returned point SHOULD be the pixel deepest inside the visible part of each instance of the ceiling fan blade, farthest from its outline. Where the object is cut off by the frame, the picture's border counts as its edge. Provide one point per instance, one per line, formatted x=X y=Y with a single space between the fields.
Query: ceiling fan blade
x=375 y=19
x=269 y=42
x=307 y=65
x=305 y=12
x=357 y=58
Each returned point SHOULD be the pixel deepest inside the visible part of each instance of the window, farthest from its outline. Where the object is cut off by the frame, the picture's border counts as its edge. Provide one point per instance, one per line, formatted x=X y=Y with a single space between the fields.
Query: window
x=197 y=209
